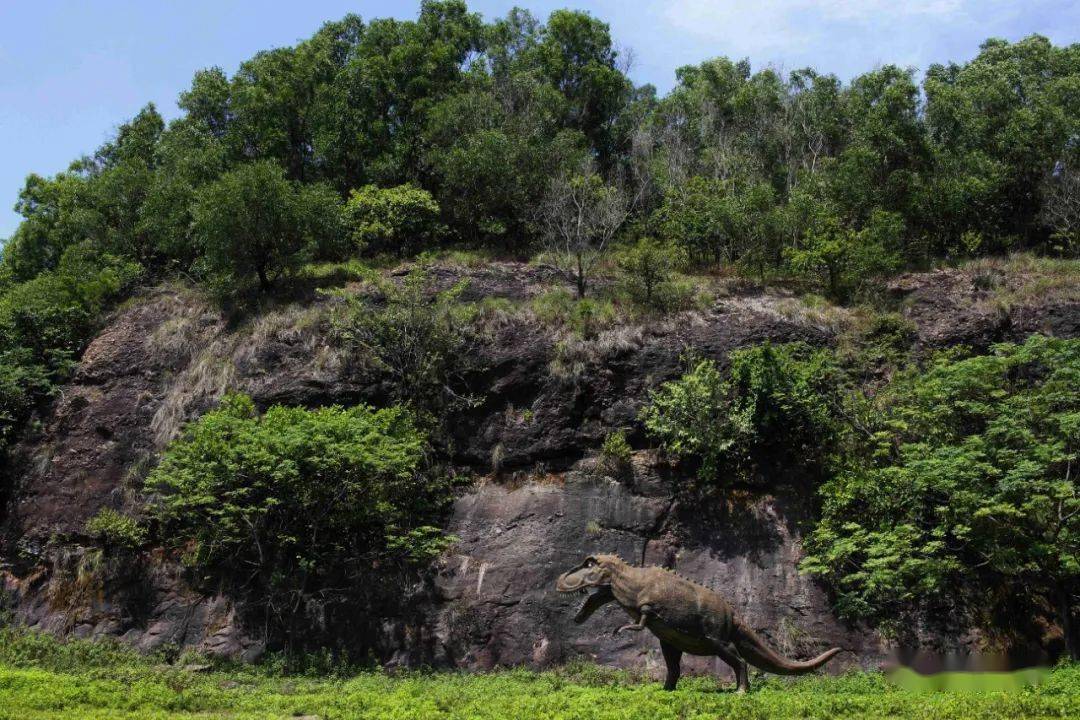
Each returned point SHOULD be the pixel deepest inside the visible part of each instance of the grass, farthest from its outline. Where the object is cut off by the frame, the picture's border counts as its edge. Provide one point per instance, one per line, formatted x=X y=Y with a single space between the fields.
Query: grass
x=42 y=678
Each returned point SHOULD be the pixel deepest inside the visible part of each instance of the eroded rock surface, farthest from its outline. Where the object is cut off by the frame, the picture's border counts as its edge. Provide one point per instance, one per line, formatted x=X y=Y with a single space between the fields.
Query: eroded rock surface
x=539 y=509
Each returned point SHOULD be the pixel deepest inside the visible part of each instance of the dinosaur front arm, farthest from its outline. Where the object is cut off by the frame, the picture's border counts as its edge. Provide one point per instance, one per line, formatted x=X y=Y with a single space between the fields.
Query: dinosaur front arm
x=644 y=611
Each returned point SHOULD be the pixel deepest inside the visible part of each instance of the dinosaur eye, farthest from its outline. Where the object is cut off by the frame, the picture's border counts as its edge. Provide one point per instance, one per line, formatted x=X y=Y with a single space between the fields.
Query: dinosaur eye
x=590 y=562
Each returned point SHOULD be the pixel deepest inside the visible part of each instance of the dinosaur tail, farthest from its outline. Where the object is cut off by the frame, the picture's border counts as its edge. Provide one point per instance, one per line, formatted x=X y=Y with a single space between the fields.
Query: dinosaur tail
x=761 y=656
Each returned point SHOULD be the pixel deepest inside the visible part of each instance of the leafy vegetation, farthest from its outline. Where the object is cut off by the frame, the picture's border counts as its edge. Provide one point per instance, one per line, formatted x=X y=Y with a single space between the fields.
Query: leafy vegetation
x=515 y=132
x=45 y=322
x=293 y=503
x=772 y=414
x=41 y=678
x=615 y=454
x=115 y=530
x=966 y=491
x=397 y=137
x=648 y=275
x=584 y=317
x=416 y=337
x=952 y=490
x=398 y=220
x=253 y=221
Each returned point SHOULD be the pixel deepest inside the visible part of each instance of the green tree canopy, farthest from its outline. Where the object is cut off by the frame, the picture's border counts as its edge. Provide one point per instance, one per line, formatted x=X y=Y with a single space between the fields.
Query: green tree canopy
x=252 y=221
x=394 y=220
x=296 y=501
x=968 y=493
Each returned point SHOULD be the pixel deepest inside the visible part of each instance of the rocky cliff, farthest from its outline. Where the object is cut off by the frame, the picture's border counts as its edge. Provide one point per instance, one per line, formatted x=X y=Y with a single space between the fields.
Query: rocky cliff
x=539 y=501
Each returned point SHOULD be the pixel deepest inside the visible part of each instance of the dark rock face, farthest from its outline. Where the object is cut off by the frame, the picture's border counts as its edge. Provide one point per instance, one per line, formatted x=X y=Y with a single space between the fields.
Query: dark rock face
x=498 y=602
x=538 y=510
x=102 y=425
x=553 y=405
x=979 y=308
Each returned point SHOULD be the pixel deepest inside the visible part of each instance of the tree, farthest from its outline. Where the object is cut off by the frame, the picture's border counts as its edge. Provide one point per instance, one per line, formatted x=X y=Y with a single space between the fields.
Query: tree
x=647 y=268
x=189 y=155
x=207 y=102
x=575 y=54
x=493 y=149
x=57 y=214
x=844 y=260
x=718 y=221
x=98 y=199
x=253 y=221
x=1015 y=106
x=118 y=176
x=579 y=215
x=377 y=107
x=1061 y=207
x=881 y=166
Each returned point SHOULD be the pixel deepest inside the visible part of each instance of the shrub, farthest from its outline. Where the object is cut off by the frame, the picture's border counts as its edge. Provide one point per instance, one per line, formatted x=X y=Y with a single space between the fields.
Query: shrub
x=774 y=412
x=44 y=323
x=967 y=493
x=295 y=501
x=419 y=338
x=647 y=274
x=116 y=530
x=584 y=317
x=615 y=454
x=398 y=220
x=718 y=220
x=843 y=260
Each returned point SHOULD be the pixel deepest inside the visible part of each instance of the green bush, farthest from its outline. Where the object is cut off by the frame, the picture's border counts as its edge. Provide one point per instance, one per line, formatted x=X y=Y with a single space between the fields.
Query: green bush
x=714 y=221
x=585 y=317
x=967 y=491
x=773 y=414
x=295 y=502
x=418 y=338
x=843 y=260
x=397 y=220
x=615 y=454
x=116 y=530
x=647 y=274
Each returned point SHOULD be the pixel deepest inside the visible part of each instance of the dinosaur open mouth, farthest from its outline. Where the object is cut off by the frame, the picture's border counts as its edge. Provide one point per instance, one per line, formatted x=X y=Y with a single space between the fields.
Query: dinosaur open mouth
x=593 y=601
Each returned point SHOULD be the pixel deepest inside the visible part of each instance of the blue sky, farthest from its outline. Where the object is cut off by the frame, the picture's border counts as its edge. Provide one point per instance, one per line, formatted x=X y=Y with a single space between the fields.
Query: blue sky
x=70 y=72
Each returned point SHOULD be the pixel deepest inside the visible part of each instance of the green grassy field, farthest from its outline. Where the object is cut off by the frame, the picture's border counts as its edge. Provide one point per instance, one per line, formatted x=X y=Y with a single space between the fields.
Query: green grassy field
x=40 y=678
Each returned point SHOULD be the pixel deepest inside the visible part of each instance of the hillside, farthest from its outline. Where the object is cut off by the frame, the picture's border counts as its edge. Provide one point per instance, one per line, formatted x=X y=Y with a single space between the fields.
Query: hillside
x=390 y=328
x=537 y=496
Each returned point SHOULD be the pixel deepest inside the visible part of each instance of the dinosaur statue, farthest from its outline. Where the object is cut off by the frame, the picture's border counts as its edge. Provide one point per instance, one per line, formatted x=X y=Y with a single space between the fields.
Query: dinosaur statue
x=684 y=616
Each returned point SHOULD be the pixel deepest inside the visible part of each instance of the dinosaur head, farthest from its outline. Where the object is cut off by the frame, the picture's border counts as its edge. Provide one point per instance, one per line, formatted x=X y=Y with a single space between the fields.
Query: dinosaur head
x=595 y=573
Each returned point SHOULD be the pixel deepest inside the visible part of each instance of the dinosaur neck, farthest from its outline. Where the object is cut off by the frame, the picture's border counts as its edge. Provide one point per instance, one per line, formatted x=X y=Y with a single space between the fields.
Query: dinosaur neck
x=626 y=585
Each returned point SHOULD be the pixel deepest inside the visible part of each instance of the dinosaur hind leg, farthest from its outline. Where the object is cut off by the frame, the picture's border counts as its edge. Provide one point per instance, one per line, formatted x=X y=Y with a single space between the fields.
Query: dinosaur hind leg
x=727 y=652
x=673 y=659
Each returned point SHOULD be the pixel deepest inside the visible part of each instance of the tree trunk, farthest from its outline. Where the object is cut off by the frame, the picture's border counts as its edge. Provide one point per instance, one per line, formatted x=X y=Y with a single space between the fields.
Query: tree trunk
x=1068 y=630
